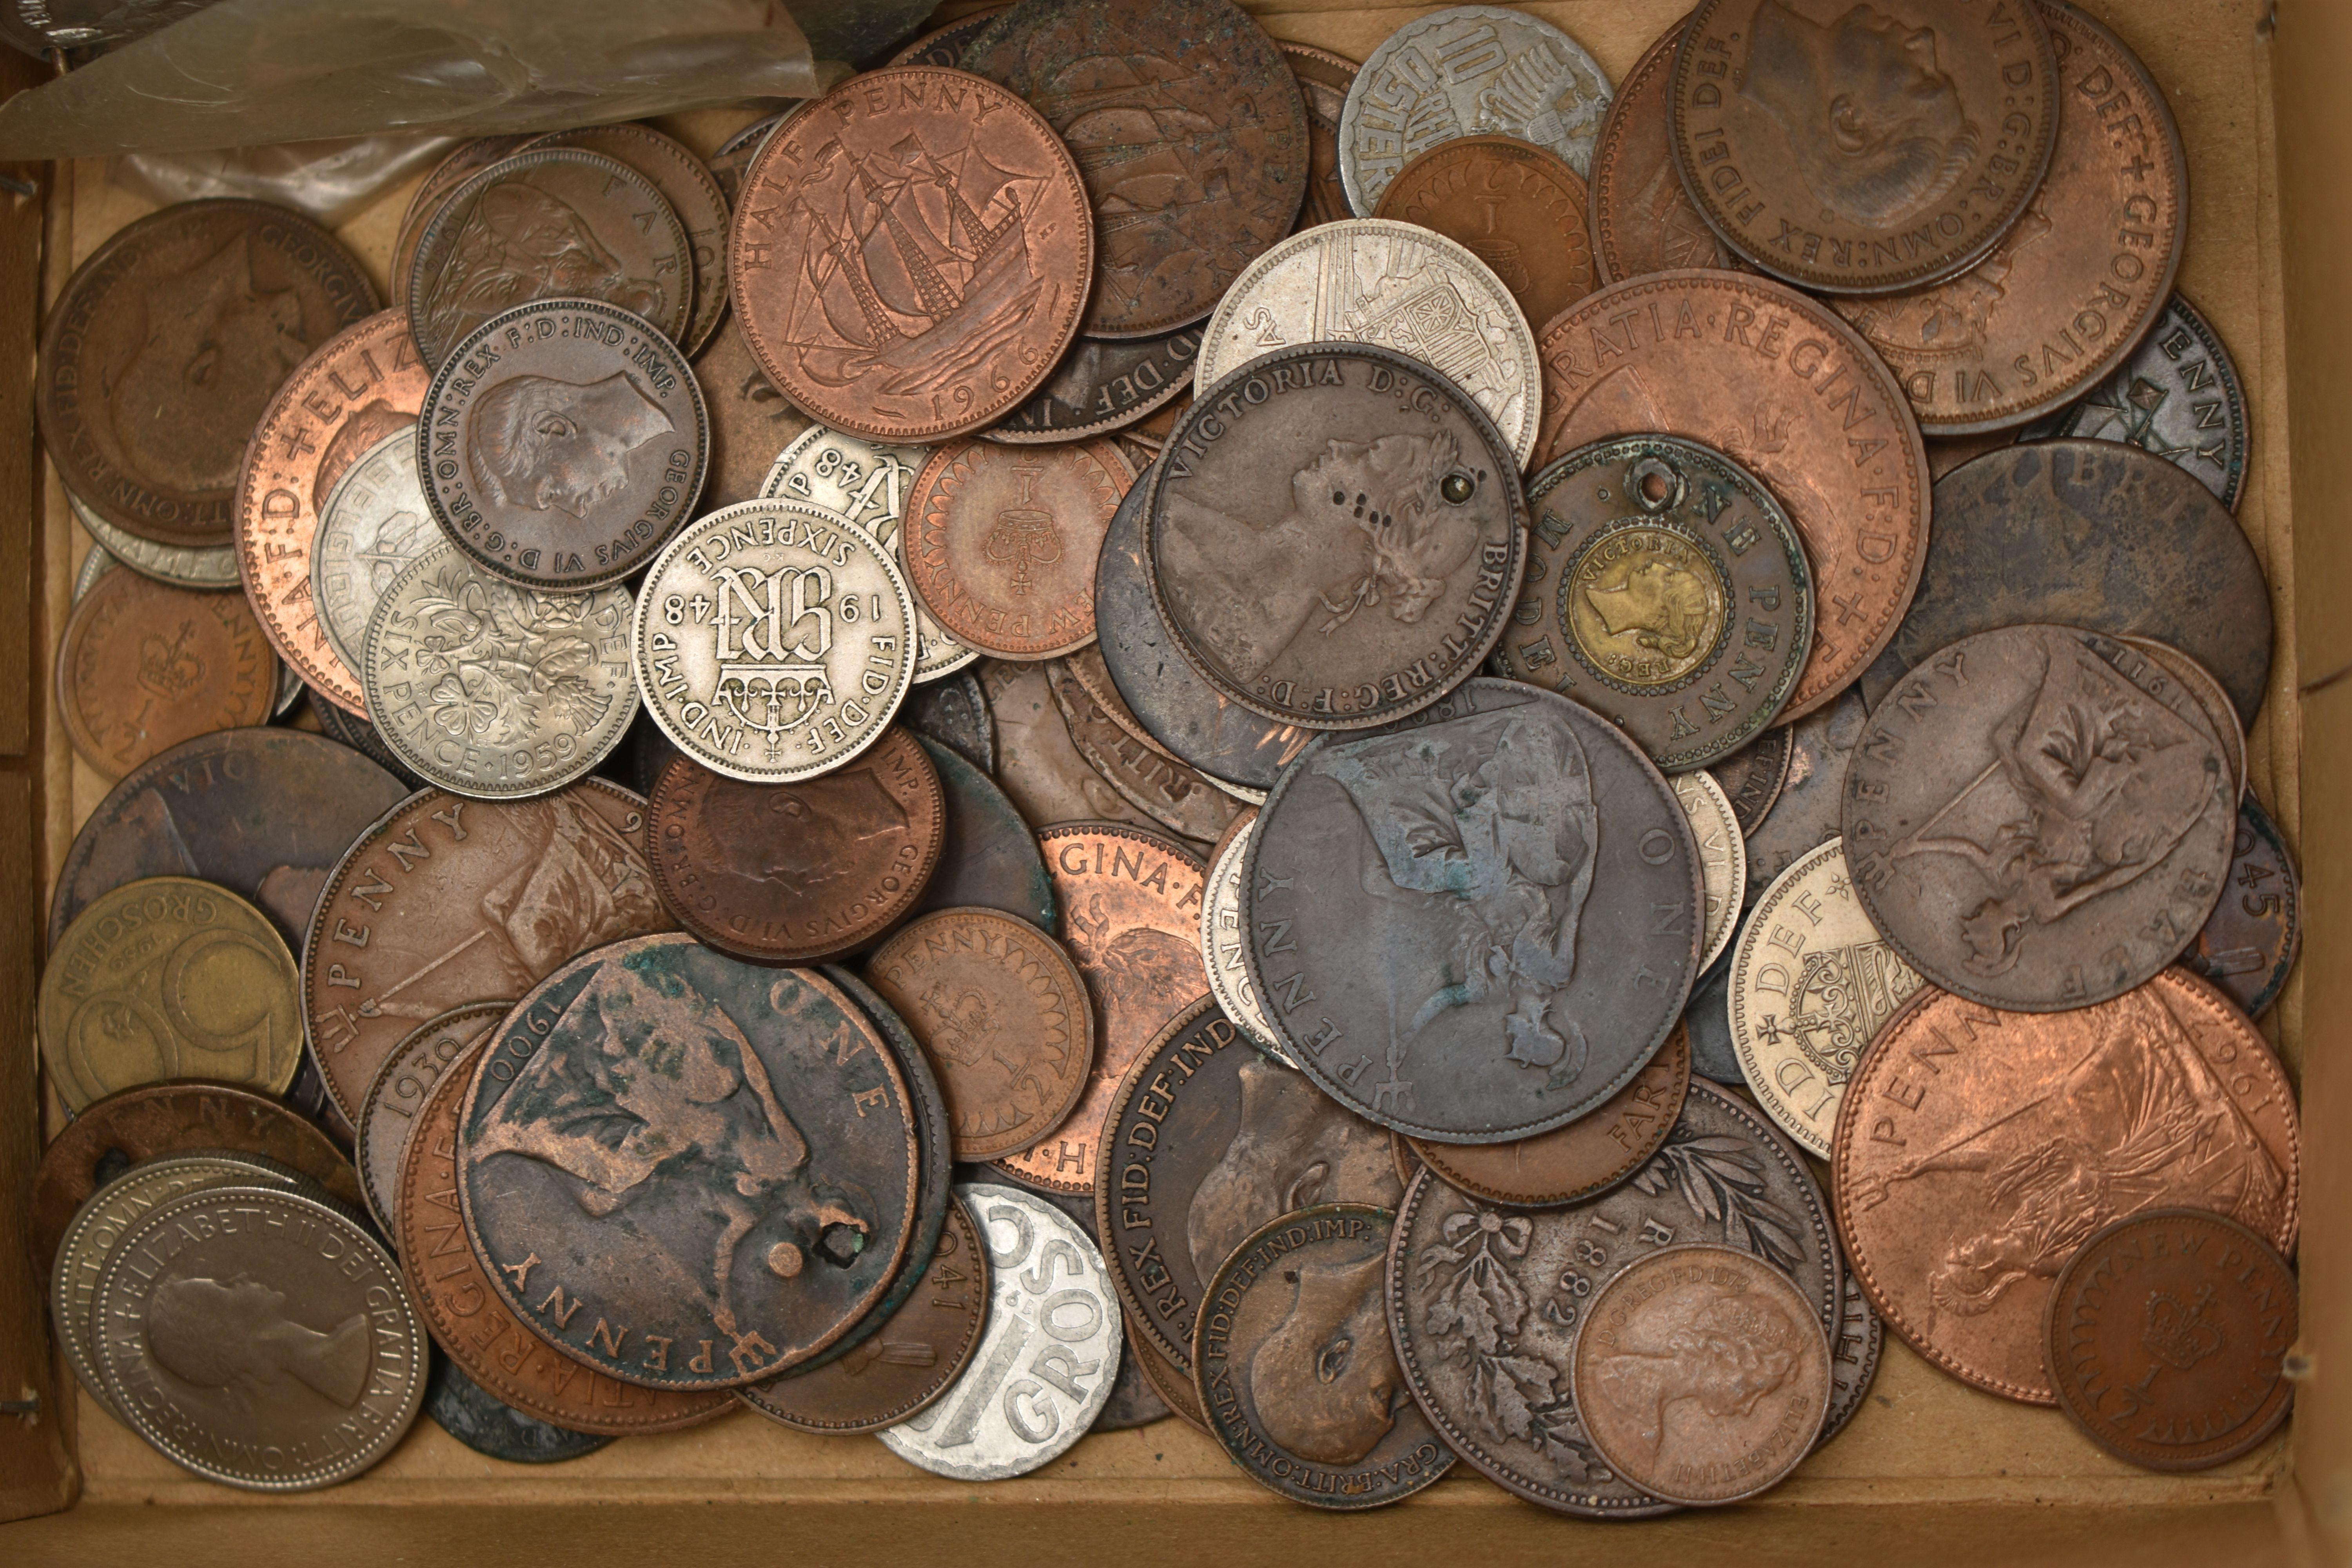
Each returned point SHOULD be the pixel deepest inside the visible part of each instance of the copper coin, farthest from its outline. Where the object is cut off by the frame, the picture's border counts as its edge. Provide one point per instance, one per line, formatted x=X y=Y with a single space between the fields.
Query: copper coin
x=945 y=46
x=1188 y=132
x=692 y=193
x=1170 y=792
x=751 y=422
x=2078 y=280
x=360 y=736
x=1087 y=674
x=1143 y=442
x=1781 y=385
x=1588 y=1156
x=1976 y=1150
x=473 y=1324
x=444 y=900
x=396 y=1097
x=362 y=385
x=790 y=873
x=2212 y=700
x=1888 y=148
x=1516 y=207
x=1174 y=1388
x=2167 y=1338
x=1103 y=384
x=1002 y=1017
x=468 y=159
x=1855 y=1351
x=142 y=665
x=1810 y=807
x=736 y=154
x=165 y=347
x=1001 y=542
x=2248 y=946
x=1037 y=763
x=1752 y=777
x=2177 y=396
x=1643 y=220
x=1129 y=906
x=1324 y=80
x=990 y=856
x=970 y=279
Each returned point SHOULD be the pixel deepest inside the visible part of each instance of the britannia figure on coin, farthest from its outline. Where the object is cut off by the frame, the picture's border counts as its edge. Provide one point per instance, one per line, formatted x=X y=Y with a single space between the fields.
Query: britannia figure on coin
x=235 y=1335
x=519 y=244
x=1295 y=1147
x=1326 y=1381
x=208 y=331
x=538 y=442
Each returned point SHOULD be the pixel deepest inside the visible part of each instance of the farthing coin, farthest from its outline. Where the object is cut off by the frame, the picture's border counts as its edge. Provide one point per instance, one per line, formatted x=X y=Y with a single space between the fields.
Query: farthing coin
x=751 y=422
x=972 y=276
x=1000 y=543
x=1328 y=582
x=492 y=1428
x=398 y=1093
x=1810 y=807
x=1510 y=836
x=1722 y=858
x=761 y=1204
x=562 y=442
x=167 y=346
x=1103 y=384
x=1882 y=150
x=1486 y=1304
x=168 y=977
x=1753 y=776
x=2247 y=946
x=2177 y=396
x=2034 y=822
x=1324 y=78
x=491 y=690
x=181 y=565
x=1173 y=795
x=260 y=1338
x=1045 y=1363
x=1518 y=207
x=1958 y=1205
x=1462 y=72
x=143 y=666
x=1395 y=286
x=1296 y=1371
x=945 y=46
x=1643 y=220
x=1783 y=387
x=990 y=856
x=1746 y=1312
x=555 y=223
x=1811 y=984
x=773 y=641
x=468 y=159
x=1673 y=597
x=1188 y=132
x=2077 y=281
x=2212 y=700
x=1224 y=942
x=692 y=193
x=374 y=522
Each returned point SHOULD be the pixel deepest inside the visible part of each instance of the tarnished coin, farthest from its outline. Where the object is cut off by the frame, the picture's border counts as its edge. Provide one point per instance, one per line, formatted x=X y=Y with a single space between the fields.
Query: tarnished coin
x=1174 y=1388
x=470 y=158
x=1960 y=1202
x=989 y=857
x=967 y=288
x=357 y=734
x=2178 y=394
x=1000 y=543
x=1390 y=285
x=562 y=442
x=2248 y=946
x=374 y=522
x=1002 y=1017
x=1518 y=207
x=789 y=873
x=1589 y=1155
x=953 y=713
x=1643 y=220
x=554 y=223
x=1103 y=384
x=1667 y=590
x=1701 y=1374
x=1324 y=78
x=393 y=1100
x=1810 y=807
x=772 y=641
x=1172 y=793
x=1881 y=149
x=1753 y=776
x=751 y=422
x=2036 y=824
x=1187 y=128
x=1853 y=1357
x=2019 y=532
x=181 y=565
x=492 y=1428
x=2205 y=689
x=692 y=193
x=1709 y=1018
x=360 y=386
x=1811 y=984
x=1038 y=764
x=1722 y=858
x=1129 y=906
x=1046 y=1361
x=1484 y=1305
x=1478 y=924
x=1463 y=72
x=168 y=977
x=2167 y=1337
x=1779 y=384
x=444 y=900
x=165 y=348
x=260 y=1338
x=143 y=666
x=1224 y=942
x=2077 y=281
x=945 y=46
x=1401 y=547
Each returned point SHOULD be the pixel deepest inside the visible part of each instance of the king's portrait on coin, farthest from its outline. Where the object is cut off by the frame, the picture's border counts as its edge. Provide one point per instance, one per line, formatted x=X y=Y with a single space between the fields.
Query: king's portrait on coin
x=216 y=345
x=1325 y=1382
x=540 y=442
x=238 y=1335
x=1293 y=1148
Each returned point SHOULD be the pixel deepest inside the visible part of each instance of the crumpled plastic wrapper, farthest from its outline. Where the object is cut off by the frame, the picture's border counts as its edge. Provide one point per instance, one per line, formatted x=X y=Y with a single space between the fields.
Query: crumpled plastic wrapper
x=330 y=181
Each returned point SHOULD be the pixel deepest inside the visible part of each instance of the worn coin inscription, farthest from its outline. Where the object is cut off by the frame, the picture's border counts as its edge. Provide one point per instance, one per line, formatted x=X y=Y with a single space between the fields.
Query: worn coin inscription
x=181 y=565
x=375 y=522
x=1103 y=384
x=1170 y=792
x=1643 y=220
x=692 y=193
x=1001 y=543
x=143 y=666
x=2248 y=946
x=2177 y=396
x=1722 y=858
x=1224 y=942
x=1753 y=776
x=1518 y=207
x=397 y=1095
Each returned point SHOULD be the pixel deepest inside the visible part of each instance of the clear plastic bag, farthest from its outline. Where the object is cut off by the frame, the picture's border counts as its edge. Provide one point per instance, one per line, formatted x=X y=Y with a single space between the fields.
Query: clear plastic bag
x=330 y=181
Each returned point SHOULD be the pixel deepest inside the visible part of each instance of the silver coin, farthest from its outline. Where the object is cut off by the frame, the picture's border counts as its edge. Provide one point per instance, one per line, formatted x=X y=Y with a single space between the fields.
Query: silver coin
x=1469 y=70
x=773 y=640
x=1397 y=285
x=95 y=563
x=1047 y=1359
x=374 y=523
x=1722 y=858
x=1222 y=945
x=213 y=566
x=491 y=690
x=2178 y=396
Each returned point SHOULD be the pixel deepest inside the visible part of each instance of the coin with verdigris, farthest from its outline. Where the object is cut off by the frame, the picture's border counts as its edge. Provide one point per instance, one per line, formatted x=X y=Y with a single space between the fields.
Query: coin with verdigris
x=374 y=522
x=1103 y=384
x=692 y=193
x=490 y=1426
x=1518 y=207
x=773 y=640
x=1478 y=924
x=1324 y=78
x=1224 y=943
x=1643 y=220
x=990 y=855
x=1000 y=541
x=953 y=713
x=182 y=566
x=403 y=1084
x=2177 y=396
x=142 y=665
x=751 y=422
x=1047 y=1359
x=2248 y=946
x=1722 y=858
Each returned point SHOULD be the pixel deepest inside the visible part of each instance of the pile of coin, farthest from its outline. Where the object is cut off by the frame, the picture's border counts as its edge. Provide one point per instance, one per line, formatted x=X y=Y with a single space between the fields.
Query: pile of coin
x=1345 y=751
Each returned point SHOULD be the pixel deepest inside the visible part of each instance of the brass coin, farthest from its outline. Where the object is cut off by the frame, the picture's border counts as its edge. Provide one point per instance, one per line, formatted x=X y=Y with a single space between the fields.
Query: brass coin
x=143 y=666
x=693 y=194
x=389 y=1110
x=1001 y=543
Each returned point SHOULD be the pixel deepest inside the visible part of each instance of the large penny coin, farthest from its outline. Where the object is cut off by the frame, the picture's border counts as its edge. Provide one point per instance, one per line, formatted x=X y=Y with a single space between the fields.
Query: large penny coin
x=1038 y=764
x=375 y=522
x=396 y=1097
x=1478 y=924
x=972 y=275
x=1884 y=149
x=1000 y=543
x=2248 y=946
x=1516 y=207
x=1781 y=385
x=1642 y=218
x=751 y=422
x=990 y=855
x=143 y=666
x=1979 y=1149
x=1324 y=78
x=1101 y=386
x=692 y=193
x=2177 y=396
x=1187 y=129
x=2034 y=822
x=165 y=348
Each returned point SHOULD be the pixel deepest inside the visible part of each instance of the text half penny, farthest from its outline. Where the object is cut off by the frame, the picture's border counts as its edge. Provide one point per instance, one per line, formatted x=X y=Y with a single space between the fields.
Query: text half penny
x=1642 y=218
x=1882 y=150
x=692 y=193
x=1002 y=1015
x=1516 y=207
x=2248 y=946
x=1783 y=387
x=1979 y=1148
x=970 y=283
x=143 y=666
x=2177 y=396
x=989 y=857
x=1001 y=543
x=1324 y=78
x=1172 y=794
x=166 y=347
x=393 y=1102
x=1103 y=384
x=751 y=421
